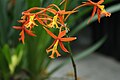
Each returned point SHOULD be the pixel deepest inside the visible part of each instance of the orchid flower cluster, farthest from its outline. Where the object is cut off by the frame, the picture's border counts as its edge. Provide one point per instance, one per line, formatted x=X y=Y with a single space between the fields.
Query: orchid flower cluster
x=53 y=17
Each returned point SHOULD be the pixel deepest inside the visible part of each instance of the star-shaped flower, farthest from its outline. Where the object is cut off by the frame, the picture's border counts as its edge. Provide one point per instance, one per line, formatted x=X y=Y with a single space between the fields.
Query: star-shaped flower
x=59 y=16
x=58 y=40
x=22 y=33
x=97 y=7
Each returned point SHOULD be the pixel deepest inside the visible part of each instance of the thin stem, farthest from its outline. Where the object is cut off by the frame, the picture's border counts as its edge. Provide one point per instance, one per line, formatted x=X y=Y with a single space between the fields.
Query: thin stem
x=73 y=62
x=65 y=5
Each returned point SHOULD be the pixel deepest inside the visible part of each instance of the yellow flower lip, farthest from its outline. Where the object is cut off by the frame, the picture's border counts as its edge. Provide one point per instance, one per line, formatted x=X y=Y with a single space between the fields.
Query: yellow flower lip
x=31 y=22
x=101 y=7
x=54 y=22
x=54 y=50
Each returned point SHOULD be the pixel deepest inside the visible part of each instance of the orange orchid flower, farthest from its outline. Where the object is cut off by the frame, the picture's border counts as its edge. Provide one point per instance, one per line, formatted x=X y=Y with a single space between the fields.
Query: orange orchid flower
x=22 y=35
x=31 y=23
x=28 y=19
x=54 y=22
x=58 y=40
x=59 y=15
x=100 y=9
x=28 y=23
x=35 y=16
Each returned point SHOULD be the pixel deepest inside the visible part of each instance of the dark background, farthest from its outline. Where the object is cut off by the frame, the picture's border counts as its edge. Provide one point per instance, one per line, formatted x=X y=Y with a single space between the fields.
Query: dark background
x=111 y=27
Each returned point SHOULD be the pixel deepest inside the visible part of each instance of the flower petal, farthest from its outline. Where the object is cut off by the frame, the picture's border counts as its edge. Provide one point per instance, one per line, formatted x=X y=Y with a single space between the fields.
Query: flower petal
x=98 y=13
x=68 y=39
x=52 y=11
x=29 y=32
x=107 y=14
x=67 y=12
x=53 y=52
x=61 y=34
x=51 y=45
x=50 y=33
x=63 y=47
x=22 y=36
x=93 y=13
x=54 y=5
x=100 y=1
x=17 y=27
x=57 y=53
x=39 y=20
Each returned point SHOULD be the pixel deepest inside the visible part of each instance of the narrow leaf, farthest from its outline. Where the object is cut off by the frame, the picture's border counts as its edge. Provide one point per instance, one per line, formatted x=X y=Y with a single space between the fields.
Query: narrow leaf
x=6 y=52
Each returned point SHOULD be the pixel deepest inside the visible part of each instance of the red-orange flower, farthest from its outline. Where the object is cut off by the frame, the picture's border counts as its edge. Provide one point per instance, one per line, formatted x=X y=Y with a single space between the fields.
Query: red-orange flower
x=28 y=20
x=97 y=8
x=58 y=16
x=58 y=40
x=23 y=30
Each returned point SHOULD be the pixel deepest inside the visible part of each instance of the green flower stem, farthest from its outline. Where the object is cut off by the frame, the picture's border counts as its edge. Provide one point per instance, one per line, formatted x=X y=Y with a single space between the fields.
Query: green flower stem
x=73 y=62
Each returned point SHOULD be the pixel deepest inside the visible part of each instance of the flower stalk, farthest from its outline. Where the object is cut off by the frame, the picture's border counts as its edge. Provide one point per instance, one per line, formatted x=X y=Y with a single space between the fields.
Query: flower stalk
x=73 y=62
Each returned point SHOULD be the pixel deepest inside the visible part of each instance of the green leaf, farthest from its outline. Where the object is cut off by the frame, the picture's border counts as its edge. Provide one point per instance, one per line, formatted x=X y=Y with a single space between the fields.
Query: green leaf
x=3 y=12
x=82 y=25
x=57 y=2
x=19 y=7
x=91 y=49
x=3 y=21
x=33 y=3
x=4 y=67
x=6 y=52
x=17 y=54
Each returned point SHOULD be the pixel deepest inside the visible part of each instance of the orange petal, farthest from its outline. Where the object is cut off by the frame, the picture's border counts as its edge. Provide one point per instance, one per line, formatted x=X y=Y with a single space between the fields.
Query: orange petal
x=68 y=39
x=32 y=9
x=29 y=32
x=21 y=21
x=53 y=52
x=50 y=33
x=98 y=13
x=52 y=45
x=57 y=53
x=67 y=12
x=107 y=14
x=39 y=20
x=63 y=47
x=61 y=34
x=61 y=19
x=53 y=5
x=100 y=2
x=22 y=36
x=52 y=56
x=93 y=13
x=91 y=2
x=17 y=27
x=84 y=4
x=52 y=11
